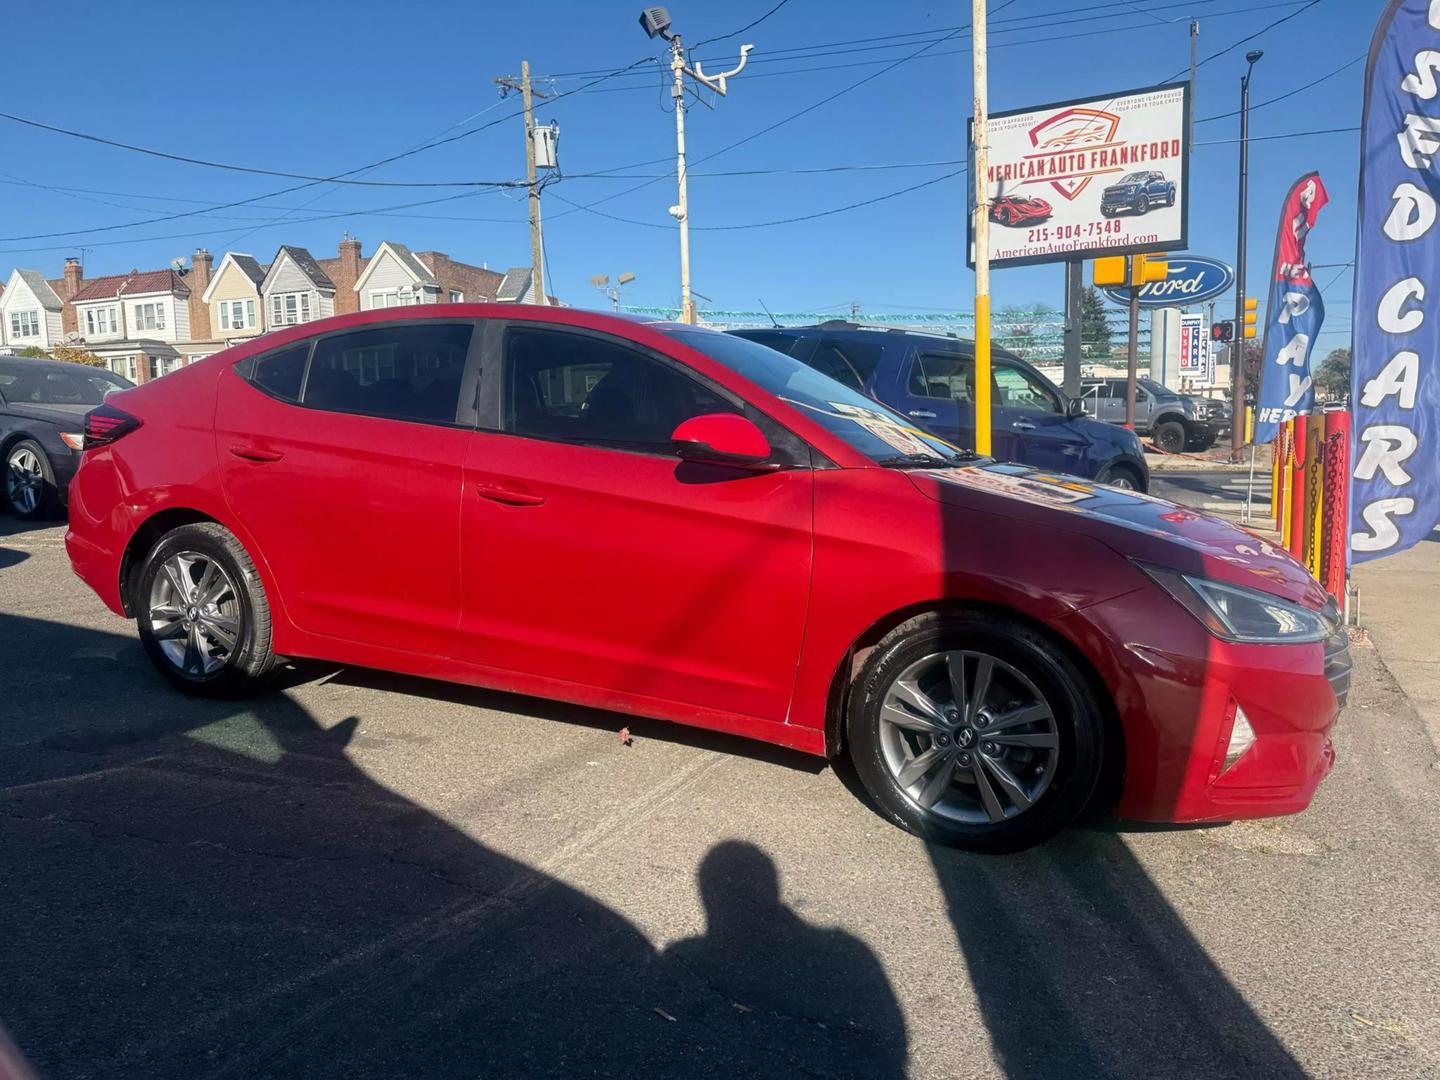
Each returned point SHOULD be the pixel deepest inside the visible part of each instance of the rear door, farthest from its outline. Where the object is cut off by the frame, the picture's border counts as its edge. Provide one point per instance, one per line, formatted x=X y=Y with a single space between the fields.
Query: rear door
x=593 y=555
x=342 y=456
x=937 y=392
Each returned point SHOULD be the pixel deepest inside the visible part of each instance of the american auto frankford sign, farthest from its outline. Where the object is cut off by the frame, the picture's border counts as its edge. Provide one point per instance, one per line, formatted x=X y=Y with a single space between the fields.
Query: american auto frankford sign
x=1105 y=175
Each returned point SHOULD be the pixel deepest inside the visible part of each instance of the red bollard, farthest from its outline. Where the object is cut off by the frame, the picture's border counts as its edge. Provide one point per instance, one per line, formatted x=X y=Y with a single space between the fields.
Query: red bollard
x=1297 y=487
x=1336 y=494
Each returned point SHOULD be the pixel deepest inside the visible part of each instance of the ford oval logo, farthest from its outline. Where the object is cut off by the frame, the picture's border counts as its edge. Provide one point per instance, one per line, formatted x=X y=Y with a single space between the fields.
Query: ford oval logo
x=1192 y=279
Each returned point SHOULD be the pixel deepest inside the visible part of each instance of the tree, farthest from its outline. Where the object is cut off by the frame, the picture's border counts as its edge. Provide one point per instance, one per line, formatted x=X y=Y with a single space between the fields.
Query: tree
x=1094 y=327
x=33 y=352
x=1334 y=375
x=1017 y=326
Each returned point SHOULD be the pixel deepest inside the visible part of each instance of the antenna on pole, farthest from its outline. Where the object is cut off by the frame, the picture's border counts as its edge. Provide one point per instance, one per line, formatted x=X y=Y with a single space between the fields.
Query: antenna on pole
x=717 y=82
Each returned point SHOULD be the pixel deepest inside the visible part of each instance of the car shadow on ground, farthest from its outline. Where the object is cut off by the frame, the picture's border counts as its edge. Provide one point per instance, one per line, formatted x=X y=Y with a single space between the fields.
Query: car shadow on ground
x=214 y=889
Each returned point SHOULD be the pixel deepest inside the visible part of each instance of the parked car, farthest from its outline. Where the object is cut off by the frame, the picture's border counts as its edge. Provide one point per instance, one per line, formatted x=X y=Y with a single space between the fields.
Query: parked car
x=681 y=524
x=42 y=413
x=1174 y=422
x=1137 y=191
x=1013 y=210
x=931 y=380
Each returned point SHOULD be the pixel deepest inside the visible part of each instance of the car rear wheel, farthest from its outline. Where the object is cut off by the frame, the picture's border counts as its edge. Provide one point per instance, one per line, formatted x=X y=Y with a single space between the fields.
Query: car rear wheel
x=1169 y=435
x=30 y=481
x=203 y=616
x=975 y=731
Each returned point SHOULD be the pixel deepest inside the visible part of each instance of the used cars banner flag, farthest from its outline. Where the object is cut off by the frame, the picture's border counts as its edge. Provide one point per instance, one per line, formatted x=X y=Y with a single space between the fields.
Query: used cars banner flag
x=1395 y=388
x=1293 y=314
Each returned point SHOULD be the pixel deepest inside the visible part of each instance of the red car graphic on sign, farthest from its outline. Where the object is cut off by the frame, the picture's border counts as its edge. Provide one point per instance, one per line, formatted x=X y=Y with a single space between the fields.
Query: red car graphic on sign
x=1013 y=210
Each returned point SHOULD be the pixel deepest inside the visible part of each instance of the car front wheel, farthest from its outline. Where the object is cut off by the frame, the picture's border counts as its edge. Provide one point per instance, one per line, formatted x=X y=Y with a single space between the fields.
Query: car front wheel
x=1142 y=205
x=202 y=613
x=975 y=731
x=30 y=481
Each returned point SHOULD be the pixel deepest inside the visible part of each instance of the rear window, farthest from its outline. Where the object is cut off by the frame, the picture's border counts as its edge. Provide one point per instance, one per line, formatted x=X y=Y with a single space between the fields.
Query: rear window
x=70 y=384
x=850 y=363
x=281 y=373
x=772 y=340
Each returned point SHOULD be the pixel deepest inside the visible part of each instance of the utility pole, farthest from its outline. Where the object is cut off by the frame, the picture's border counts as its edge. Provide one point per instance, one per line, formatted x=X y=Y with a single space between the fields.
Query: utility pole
x=537 y=245
x=980 y=136
x=1074 y=325
x=1237 y=345
x=1132 y=362
x=1194 y=42
x=655 y=22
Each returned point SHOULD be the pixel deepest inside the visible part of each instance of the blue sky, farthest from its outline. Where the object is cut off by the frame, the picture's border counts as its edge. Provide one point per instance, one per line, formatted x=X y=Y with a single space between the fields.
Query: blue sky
x=318 y=89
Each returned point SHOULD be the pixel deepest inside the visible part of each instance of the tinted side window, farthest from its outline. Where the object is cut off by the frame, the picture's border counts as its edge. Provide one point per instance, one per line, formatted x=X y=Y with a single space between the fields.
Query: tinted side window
x=397 y=372
x=577 y=388
x=949 y=376
x=1016 y=388
x=281 y=373
x=848 y=362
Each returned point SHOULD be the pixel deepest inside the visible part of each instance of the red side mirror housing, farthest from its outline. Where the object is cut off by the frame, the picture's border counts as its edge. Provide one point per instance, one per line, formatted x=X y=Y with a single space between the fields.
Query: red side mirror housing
x=721 y=439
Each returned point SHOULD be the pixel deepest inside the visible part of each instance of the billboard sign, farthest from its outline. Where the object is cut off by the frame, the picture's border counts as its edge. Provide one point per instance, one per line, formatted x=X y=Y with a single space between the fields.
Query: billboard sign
x=1191 y=279
x=1097 y=176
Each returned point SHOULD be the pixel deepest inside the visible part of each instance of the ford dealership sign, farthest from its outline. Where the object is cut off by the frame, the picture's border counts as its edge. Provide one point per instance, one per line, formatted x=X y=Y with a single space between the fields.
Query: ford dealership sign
x=1192 y=279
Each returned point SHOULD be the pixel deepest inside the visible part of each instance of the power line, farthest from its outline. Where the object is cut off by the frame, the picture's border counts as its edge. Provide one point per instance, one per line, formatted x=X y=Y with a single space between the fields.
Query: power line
x=1287 y=94
x=1242 y=41
x=1282 y=135
x=747 y=26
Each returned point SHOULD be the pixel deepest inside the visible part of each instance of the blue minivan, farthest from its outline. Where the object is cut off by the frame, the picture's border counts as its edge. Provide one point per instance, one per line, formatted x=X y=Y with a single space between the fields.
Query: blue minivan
x=931 y=379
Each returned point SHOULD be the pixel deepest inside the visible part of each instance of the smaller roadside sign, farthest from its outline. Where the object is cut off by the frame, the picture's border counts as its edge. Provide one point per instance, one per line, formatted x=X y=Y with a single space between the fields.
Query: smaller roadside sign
x=1192 y=279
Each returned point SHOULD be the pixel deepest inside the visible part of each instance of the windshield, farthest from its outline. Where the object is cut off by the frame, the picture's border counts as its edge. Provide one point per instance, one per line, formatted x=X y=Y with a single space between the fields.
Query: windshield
x=1158 y=389
x=57 y=384
x=864 y=424
x=1135 y=178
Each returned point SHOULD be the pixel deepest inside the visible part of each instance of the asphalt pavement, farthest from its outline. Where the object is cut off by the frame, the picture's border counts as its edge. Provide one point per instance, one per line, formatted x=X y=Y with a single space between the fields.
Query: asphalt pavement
x=365 y=875
x=1216 y=490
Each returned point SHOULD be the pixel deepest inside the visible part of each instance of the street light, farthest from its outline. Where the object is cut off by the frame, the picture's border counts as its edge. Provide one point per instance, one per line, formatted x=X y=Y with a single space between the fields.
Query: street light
x=612 y=292
x=1237 y=347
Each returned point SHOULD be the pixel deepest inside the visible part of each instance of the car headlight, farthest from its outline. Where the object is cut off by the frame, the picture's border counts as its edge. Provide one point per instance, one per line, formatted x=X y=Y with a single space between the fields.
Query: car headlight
x=1242 y=615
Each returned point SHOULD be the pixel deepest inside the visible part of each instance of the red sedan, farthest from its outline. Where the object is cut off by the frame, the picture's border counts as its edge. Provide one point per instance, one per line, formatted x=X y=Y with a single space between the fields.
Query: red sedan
x=676 y=523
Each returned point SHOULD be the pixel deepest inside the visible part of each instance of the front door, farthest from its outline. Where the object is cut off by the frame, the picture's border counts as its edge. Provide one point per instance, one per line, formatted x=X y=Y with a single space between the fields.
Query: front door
x=593 y=555
x=346 y=470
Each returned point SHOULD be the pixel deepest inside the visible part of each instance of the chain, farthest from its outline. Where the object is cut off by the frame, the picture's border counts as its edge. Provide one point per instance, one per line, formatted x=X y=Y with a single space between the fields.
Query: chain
x=1337 y=476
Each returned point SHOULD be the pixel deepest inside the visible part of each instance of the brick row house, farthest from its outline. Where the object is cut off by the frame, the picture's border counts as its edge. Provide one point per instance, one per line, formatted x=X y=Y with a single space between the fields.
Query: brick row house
x=147 y=323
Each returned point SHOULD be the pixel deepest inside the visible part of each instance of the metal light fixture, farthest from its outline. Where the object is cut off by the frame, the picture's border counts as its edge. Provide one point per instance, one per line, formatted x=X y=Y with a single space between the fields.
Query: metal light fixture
x=655 y=21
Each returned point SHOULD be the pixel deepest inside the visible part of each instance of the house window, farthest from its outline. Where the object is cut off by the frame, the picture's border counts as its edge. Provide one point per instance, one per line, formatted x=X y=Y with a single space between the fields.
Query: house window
x=385 y=298
x=456 y=296
x=288 y=309
x=150 y=316
x=237 y=314
x=101 y=321
x=25 y=324
x=123 y=365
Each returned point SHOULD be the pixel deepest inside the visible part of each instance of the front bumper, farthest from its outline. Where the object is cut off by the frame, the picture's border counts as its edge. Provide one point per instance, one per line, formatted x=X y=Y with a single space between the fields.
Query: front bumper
x=1118 y=202
x=1177 y=697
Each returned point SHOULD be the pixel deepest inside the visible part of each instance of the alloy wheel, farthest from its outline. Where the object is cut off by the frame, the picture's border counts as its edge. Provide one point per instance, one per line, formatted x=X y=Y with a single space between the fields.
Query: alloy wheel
x=968 y=737
x=195 y=613
x=24 y=480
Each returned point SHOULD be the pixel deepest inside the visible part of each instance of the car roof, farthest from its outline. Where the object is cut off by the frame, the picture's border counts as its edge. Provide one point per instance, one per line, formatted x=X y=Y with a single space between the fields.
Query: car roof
x=46 y=362
x=851 y=329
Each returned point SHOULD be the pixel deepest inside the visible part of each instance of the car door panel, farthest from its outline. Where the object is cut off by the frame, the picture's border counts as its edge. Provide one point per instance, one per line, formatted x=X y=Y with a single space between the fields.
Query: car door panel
x=357 y=515
x=635 y=572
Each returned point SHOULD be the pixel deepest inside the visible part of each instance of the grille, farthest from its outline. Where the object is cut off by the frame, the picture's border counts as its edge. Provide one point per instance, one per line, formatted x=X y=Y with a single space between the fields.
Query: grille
x=1338 y=664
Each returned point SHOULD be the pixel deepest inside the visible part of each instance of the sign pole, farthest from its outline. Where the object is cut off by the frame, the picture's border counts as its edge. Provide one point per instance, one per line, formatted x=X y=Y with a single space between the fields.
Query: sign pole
x=980 y=135
x=1074 y=325
x=1132 y=364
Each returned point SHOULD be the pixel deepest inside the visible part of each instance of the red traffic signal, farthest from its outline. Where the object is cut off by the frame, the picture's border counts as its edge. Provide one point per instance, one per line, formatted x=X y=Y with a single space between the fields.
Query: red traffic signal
x=1222 y=331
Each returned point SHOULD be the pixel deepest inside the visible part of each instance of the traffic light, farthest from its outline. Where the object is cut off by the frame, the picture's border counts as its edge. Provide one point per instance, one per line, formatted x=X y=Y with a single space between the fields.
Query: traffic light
x=1147 y=268
x=1222 y=331
x=1110 y=270
x=1251 y=303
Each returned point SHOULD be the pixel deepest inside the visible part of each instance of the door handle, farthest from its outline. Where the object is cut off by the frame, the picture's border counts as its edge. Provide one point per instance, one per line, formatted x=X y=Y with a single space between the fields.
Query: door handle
x=256 y=454
x=1023 y=425
x=922 y=414
x=507 y=496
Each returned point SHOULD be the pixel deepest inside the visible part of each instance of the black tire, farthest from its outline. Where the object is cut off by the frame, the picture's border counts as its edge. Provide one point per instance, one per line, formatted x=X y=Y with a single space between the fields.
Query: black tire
x=1077 y=716
x=1123 y=475
x=1169 y=435
x=47 y=505
x=1171 y=200
x=246 y=666
x=1142 y=205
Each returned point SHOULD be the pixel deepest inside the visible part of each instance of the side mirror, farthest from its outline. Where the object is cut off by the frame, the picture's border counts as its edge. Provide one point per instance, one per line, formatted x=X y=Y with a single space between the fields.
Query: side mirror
x=721 y=439
x=1075 y=407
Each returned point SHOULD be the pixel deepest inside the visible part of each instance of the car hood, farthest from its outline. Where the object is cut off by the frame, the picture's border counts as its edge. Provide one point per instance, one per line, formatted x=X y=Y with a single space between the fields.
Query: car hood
x=71 y=416
x=1136 y=526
